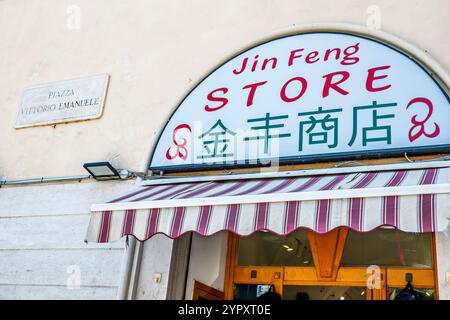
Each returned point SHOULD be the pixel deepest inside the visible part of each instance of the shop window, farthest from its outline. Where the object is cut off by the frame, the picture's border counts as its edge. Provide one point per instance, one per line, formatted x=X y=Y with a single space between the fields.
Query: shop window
x=340 y=270
x=425 y=294
x=249 y=291
x=324 y=293
x=388 y=247
x=268 y=249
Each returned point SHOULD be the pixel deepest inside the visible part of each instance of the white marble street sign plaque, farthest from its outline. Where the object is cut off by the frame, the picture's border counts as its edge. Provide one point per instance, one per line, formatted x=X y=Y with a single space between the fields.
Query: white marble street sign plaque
x=64 y=101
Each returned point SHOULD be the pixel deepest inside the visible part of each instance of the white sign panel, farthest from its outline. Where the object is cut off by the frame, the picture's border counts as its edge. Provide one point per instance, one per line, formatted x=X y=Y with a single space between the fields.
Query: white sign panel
x=65 y=101
x=307 y=97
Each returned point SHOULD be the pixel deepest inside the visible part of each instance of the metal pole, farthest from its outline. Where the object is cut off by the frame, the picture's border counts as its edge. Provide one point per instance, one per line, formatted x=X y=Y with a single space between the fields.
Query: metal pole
x=122 y=291
x=43 y=180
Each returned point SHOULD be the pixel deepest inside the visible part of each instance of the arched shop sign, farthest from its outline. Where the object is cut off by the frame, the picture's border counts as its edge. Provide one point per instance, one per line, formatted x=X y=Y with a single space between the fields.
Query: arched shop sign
x=307 y=98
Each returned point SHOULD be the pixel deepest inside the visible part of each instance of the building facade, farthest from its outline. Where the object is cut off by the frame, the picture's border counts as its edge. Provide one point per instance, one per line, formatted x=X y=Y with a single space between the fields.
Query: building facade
x=155 y=53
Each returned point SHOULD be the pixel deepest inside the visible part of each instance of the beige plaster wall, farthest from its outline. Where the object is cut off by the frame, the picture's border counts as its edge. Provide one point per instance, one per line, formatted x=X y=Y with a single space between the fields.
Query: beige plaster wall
x=154 y=51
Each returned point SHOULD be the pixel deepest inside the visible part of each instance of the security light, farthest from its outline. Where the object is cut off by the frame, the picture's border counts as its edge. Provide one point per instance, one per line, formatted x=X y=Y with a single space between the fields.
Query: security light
x=102 y=171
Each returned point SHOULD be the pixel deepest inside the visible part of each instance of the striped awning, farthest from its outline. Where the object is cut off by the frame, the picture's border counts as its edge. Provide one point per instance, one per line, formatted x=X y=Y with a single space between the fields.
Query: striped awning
x=410 y=200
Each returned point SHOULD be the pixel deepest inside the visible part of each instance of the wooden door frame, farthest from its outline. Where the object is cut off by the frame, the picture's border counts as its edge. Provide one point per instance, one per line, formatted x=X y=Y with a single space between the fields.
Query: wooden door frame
x=327 y=250
x=435 y=266
x=230 y=265
x=307 y=276
x=202 y=291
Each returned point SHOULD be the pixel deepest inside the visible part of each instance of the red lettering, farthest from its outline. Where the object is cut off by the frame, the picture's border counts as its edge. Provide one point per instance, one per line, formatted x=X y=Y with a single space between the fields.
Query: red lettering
x=252 y=91
x=180 y=146
x=418 y=128
x=329 y=84
x=329 y=51
x=283 y=95
x=371 y=78
x=309 y=58
x=266 y=61
x=293 y=56
x=255 y=63
x=244 y=65
x=213 y=98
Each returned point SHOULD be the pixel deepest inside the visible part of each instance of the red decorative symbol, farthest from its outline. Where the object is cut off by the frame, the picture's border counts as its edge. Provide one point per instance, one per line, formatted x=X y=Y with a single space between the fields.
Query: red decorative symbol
x=418 y=127
x=180 y=145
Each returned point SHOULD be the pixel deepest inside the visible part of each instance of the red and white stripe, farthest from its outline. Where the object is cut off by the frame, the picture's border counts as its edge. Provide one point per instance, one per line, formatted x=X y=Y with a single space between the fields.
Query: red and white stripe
x=411 y=212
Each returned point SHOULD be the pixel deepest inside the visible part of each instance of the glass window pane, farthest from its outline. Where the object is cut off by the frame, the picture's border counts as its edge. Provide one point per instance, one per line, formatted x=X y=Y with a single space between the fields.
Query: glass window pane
x=425 y=294
x=249 y=291
x=388 y=247
x=268 y=249
x=252 y=291
x=323 y=293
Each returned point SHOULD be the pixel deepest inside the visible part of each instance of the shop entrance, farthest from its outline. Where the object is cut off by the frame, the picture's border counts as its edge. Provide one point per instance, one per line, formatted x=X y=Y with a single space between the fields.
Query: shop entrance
x=339 y=265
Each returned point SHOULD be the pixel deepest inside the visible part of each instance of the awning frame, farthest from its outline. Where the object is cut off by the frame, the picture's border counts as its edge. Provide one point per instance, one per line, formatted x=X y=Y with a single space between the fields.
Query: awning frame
x=415 y=200
x=279 y=197
x=264 y=173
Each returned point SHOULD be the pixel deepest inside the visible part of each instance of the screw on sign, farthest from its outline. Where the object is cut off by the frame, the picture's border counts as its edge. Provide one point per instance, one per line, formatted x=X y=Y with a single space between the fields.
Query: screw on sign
x=418 y=127
x=180 y=145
